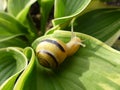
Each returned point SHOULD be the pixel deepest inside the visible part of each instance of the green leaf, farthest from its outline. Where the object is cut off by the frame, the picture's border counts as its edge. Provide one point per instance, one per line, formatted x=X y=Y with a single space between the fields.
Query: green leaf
x=12 y=63
x=103 y=24
x=94 y=67
x=45 y=8
x=31 y=29
x=65 y=10
x=98 y=4
x=25 y=76
x=19 y=8
x=14 y=42
x=10 y=27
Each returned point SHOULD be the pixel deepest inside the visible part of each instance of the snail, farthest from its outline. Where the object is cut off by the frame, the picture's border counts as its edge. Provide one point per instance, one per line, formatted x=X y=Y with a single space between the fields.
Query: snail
x=51 y=52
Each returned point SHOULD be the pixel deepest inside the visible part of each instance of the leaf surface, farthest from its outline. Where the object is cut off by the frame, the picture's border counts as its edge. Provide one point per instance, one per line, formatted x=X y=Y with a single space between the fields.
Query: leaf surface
x=19 y=8
x=23 y=80
x=10 y=27
x=94 y=67
x=65 y=10
x=103 y=24
x=12 y=63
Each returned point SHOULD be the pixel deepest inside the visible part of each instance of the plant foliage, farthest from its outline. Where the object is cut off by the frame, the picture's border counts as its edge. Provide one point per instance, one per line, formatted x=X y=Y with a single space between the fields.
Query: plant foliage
x=94 y=67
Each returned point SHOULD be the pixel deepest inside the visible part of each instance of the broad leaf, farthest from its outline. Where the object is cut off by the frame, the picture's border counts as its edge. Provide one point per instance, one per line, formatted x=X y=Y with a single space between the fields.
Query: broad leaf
x=10 y=27
x=12 y=63
x=14 y=42
x=65 y=10
x=25 y=76
x=19 y=8
x=94 y=67
x=103 y=24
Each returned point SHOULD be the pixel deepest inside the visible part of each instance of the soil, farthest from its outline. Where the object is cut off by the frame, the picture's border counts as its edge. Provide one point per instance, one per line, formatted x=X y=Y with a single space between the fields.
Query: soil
x=35 y=14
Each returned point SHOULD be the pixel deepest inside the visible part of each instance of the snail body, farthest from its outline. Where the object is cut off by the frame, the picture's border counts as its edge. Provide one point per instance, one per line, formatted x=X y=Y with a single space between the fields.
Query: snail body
x=52 y=52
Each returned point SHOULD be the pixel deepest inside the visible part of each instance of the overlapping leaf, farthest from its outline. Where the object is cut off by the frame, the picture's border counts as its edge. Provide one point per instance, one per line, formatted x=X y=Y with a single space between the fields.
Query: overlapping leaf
x=10 y=28
x=65 y=10
x=23 y=81
x=19 y=8
x=12 y=63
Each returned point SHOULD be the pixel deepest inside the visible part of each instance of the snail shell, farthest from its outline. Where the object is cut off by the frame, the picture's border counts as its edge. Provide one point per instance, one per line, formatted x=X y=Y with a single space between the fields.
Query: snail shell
x=52 y=52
